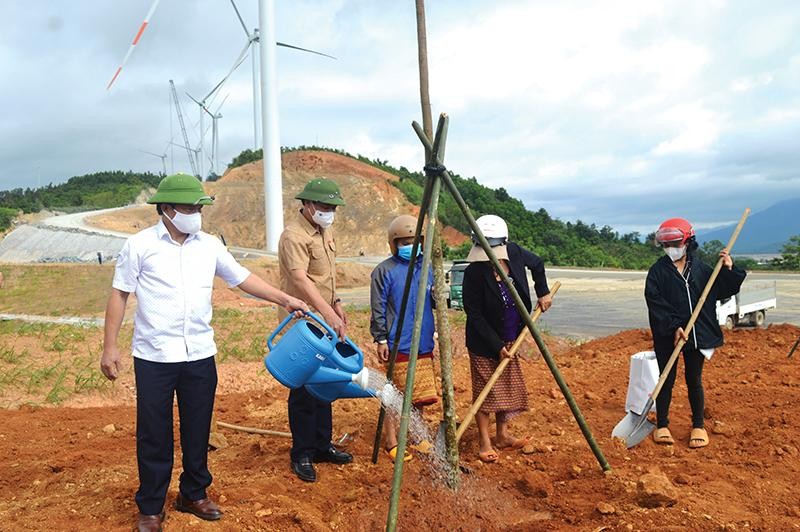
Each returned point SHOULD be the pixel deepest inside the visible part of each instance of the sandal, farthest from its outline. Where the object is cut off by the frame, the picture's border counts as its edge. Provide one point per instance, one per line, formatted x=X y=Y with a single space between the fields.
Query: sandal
x=663 y=436
x=516 y=443
x=698 y=438
x=393 y=454
x=424 y=447
x=488 y=457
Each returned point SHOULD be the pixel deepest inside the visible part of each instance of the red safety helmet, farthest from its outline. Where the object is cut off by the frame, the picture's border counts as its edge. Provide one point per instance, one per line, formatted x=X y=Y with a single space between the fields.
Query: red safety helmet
x=673 y=230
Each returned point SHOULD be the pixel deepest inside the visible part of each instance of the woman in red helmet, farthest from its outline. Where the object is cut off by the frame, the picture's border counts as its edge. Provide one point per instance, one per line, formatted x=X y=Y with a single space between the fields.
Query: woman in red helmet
x=673 y=287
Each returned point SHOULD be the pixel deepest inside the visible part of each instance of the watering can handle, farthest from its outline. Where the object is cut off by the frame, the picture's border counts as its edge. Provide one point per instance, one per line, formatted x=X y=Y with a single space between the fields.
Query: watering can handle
x=349 y=342
x=288 y=318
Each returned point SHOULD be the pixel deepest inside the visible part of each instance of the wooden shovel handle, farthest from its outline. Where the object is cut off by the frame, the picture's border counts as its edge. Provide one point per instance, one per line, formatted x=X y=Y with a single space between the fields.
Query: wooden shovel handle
x=499 y=371
x=698 y=307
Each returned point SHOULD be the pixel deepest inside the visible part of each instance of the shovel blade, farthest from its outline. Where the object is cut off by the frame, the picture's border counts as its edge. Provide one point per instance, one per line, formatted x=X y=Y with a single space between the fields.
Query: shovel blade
x=632 y=429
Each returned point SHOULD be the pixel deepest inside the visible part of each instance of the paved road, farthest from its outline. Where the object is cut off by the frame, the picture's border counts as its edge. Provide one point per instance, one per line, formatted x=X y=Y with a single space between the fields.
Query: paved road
x=594 y=303
x=78 y=221
x=591 y=303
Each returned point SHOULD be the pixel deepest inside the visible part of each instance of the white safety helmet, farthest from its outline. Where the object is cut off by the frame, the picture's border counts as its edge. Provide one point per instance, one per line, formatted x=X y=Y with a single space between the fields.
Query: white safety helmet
x=493 y=228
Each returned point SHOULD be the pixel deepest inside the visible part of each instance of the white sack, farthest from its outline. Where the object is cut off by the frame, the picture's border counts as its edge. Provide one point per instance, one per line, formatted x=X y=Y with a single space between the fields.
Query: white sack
x=641 y=381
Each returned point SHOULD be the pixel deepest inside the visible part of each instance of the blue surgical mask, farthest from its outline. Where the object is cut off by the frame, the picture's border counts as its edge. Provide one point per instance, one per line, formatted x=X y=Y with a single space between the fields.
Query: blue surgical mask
x=404 y=252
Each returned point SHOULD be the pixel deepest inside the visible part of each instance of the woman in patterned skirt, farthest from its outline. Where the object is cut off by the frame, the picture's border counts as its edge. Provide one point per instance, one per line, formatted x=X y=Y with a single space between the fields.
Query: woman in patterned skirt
x=493 y=323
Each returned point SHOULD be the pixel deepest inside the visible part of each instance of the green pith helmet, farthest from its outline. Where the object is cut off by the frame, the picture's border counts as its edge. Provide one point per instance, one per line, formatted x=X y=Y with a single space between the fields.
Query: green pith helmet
x=322 y=190
x=182 y=189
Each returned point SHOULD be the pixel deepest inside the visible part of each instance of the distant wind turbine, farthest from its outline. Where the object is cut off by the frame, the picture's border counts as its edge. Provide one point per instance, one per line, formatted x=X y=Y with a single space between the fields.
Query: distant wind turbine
x=163 y=158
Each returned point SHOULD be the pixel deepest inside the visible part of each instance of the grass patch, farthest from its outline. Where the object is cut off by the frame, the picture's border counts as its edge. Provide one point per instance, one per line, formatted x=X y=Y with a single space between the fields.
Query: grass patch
x=34 y=371
x=79 y=289
x=241 y=335
x=9 y=354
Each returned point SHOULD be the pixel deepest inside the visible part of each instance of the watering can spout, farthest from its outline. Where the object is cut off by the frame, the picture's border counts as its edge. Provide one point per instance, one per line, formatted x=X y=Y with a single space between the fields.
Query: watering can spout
x=326 y=375
x=361 y=378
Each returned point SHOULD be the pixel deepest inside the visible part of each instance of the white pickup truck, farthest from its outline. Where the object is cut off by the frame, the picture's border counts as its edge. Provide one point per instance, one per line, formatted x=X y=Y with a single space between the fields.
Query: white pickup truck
x=749 y=306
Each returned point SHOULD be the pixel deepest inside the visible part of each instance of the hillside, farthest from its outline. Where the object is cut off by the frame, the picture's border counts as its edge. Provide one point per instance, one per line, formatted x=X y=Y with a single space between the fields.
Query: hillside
x=765 y=231
x=238 y=212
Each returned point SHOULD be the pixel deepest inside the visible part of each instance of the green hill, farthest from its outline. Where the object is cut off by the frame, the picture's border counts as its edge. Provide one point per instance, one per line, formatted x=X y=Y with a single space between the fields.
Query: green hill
x=558 y=243
x=100 y=190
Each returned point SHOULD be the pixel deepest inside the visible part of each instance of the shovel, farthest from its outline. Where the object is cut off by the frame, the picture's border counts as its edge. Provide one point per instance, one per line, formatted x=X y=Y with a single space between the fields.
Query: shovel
x=440 y=436
x=793 y=348
x=634 y=428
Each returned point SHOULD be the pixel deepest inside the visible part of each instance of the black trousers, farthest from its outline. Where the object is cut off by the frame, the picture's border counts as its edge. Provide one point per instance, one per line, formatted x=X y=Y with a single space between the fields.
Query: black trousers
x=311 y=423
x=693 y=361
x=157 y=383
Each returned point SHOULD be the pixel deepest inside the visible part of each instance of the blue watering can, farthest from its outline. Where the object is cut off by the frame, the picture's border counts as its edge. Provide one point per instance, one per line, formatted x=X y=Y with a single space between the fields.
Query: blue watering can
x=307 y=356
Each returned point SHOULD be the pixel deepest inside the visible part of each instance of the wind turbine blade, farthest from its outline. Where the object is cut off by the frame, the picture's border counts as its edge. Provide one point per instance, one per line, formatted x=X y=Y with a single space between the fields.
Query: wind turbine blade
x=193 y=99
x=244 y=27
x=222 y=103
x=138 y=36
x=239 y=61
x=302 y=49
x=150 y=153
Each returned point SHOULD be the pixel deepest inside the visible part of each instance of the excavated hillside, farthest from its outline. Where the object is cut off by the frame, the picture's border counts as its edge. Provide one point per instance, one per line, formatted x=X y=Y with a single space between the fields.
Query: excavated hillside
x=372 y=201
x=238 y=213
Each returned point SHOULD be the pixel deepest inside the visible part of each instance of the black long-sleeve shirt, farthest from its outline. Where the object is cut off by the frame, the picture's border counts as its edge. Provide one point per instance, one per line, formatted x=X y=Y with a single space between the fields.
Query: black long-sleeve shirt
x=671 y=297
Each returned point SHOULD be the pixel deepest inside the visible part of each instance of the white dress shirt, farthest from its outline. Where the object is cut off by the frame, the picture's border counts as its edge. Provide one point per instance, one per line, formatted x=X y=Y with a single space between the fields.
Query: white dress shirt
x=173 y=284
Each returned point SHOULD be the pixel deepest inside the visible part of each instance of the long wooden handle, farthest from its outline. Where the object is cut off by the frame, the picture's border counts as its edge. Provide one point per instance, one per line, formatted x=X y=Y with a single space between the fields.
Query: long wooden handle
x=500 y=368
x=698 y=308
x=253 y=430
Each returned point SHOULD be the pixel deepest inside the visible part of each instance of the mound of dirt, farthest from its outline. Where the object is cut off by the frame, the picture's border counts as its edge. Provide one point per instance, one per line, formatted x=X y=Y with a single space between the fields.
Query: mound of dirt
x=238 y=213
x=66 y=468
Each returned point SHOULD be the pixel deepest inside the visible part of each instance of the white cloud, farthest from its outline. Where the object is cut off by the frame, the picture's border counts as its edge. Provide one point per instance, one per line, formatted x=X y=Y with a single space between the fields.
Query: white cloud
x=698 y=130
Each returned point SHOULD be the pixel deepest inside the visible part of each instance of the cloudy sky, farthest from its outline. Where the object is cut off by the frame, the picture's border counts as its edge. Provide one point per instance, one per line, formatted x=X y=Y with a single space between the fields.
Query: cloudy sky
x=613 y=112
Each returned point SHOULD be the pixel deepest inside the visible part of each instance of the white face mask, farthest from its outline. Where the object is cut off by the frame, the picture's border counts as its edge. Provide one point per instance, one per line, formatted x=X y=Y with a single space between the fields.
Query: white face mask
x=187 y=223
x=675 y=253
x=322 y=218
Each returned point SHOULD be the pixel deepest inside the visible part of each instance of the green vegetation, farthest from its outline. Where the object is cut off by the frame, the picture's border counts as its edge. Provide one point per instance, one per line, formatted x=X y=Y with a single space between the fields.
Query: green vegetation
x=790 y=255
x=56 y=289
x=67 y=363
x=100 y=190
x=6 y=216
x=557 y=242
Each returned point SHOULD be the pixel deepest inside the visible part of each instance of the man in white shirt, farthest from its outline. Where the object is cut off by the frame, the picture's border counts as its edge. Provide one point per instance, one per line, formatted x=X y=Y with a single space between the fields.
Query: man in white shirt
x=171 y=268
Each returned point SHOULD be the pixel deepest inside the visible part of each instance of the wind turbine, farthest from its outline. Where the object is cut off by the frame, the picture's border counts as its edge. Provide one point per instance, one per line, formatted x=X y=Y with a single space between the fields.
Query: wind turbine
x=252 y=40
x=163 y=158
x=215 y=116
x=269 y=113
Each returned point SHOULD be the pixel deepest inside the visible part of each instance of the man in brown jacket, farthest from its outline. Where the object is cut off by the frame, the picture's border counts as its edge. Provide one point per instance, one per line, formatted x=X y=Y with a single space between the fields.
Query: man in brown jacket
x=307 y=255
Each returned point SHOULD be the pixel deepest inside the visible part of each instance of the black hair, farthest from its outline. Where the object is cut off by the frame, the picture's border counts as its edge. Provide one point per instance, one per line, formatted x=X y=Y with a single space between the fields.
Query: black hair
x=691 y=245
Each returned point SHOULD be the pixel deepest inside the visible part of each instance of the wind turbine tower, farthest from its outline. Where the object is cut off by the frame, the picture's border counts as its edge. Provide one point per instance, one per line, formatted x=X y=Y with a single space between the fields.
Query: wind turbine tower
x=273 y=179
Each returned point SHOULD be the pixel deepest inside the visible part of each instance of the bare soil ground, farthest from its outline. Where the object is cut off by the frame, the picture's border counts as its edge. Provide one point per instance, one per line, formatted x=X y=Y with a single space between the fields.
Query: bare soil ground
x=238 y=213
x=64 y=467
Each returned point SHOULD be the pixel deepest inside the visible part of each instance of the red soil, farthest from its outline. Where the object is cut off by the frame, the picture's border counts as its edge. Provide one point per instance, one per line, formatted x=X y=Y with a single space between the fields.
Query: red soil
x=61 y=471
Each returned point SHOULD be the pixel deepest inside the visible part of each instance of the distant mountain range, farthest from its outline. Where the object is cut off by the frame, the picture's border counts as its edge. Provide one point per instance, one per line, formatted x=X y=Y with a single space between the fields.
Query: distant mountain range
x=765 y=231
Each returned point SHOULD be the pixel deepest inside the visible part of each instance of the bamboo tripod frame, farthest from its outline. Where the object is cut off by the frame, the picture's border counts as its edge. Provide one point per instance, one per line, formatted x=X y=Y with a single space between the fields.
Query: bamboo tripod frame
x=429 y=208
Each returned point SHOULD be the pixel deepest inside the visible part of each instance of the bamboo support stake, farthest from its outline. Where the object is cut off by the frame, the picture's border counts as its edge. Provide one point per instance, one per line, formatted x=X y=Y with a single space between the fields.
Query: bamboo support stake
x=402 y=437
x=426 y=197
x=576 y=412
x=499 y=371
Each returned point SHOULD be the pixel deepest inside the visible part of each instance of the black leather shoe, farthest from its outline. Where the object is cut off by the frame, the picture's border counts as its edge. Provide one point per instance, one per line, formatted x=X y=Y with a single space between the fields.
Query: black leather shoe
x=304 y=470
x=204 y=508
x=333 y=456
